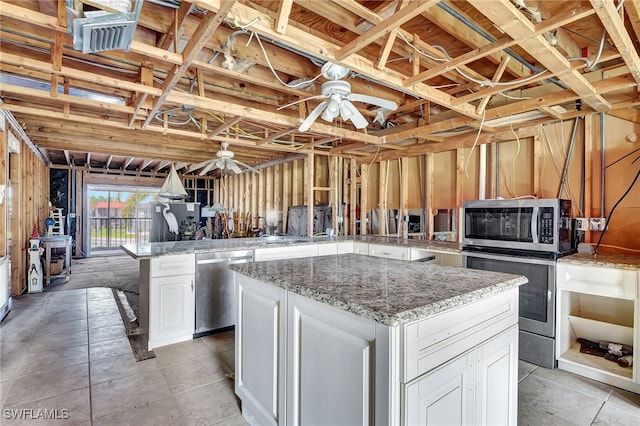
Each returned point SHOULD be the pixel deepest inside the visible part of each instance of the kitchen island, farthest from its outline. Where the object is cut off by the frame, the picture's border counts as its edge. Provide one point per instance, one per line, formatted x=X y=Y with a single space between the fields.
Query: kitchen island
x=353 y=339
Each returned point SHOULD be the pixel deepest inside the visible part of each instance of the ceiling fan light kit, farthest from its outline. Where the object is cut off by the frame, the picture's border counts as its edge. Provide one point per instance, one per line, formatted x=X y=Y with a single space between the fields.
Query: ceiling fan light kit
x=339 y=98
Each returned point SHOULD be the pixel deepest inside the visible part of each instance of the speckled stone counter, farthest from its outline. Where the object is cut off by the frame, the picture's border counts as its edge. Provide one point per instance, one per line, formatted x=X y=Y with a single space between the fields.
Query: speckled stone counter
x=388 y=291
x=147 y=250
x=604 y=260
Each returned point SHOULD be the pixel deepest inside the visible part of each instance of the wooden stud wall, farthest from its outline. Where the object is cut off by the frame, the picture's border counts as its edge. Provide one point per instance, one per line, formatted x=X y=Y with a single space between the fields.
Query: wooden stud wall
x=29 y=178
x=4 y=177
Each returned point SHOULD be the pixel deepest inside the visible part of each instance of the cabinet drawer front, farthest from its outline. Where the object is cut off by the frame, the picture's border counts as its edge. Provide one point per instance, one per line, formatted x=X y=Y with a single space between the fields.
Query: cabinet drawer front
x=610 y=282
x=345 y=247
x=277 y=253
x=327 y=249
x=432 y=341
x=180 y=264
x=360 y=248
x=391 y=252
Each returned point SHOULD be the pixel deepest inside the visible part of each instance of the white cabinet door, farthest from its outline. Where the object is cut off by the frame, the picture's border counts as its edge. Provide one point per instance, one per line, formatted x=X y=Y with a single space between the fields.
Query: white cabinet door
x=360 y=248
x=276 y=253
x=497 y=380
x=172 y=310
x=331 y=365
x=443 y=396
x=260 y=351
x=345 y=247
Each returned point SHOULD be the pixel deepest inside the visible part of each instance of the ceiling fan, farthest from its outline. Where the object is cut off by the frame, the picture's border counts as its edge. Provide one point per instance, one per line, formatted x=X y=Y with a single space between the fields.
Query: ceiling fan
x=338 y=97
x=224 y=161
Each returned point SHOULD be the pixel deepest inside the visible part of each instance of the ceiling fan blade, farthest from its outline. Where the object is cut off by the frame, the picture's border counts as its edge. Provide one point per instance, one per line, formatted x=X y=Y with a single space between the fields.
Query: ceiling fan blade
x=206 y=169
x=197 y=166
x=300 y=100
x=354 y=115
x=234 y=167
x=248 y=167
x=357 y=97
x=313 y=116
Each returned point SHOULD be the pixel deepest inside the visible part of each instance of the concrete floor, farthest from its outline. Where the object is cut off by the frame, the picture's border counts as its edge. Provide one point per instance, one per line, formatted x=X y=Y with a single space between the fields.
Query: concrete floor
x=67 y=351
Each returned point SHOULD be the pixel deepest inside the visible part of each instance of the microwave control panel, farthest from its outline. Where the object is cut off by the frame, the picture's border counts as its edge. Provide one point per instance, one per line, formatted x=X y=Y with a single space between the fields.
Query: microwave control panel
x=545 y=225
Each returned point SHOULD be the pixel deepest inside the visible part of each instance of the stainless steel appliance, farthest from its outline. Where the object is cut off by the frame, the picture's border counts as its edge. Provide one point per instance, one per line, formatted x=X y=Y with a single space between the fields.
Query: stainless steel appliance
x=215 y=295
x=523 y=237
x=526 y=224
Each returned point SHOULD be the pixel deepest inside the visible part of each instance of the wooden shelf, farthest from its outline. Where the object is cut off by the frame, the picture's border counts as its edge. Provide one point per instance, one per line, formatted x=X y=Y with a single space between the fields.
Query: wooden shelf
x=574 y=355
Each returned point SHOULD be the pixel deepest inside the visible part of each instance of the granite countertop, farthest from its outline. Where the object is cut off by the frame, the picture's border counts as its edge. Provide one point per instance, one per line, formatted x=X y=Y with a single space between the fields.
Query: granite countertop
x=146 y=250
x=605 y=260
x=388 y=291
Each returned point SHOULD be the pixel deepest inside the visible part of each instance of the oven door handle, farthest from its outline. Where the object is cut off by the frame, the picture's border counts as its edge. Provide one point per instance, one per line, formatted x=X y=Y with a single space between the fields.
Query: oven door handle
x=534 y=225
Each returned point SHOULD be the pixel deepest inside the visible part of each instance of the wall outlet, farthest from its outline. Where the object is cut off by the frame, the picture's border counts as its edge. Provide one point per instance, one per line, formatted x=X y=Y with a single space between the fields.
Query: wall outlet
x=597 y=223
x=581 y=224
x=72 y=215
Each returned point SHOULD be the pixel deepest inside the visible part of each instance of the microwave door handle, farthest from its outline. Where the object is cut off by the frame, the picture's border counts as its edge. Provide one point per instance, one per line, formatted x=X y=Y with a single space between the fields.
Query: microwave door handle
x=534 y=225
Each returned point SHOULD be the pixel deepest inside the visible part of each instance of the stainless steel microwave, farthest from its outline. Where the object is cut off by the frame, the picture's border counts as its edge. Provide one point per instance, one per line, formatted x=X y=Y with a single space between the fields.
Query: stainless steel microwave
x=523 y=224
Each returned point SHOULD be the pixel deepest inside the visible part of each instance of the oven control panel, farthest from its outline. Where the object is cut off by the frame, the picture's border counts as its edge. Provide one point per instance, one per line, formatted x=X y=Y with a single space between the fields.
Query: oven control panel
x=545 y=225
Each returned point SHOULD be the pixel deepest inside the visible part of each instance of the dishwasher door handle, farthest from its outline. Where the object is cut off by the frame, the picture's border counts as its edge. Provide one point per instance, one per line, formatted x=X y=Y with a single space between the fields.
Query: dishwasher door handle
x=223 y=260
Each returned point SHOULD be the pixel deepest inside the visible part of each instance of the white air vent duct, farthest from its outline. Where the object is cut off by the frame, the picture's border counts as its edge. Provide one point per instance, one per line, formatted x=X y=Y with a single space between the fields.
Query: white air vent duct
x=102 y=30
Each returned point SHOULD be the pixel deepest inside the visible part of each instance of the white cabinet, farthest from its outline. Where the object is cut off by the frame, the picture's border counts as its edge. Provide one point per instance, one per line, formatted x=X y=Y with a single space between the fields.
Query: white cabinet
x=260 y=351
x=290 y=252
x=478 y=387
x=171 y=299
x=598 y=304
x=295 y=357
x=345 y=247
x=389 y=252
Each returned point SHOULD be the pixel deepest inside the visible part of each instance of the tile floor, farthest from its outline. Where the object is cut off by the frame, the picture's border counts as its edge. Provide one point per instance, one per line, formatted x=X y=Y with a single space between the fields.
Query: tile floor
x=67 y=350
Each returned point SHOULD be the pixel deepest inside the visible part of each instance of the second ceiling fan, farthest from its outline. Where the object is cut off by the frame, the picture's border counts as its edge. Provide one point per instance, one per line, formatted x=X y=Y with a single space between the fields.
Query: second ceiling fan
x=339 y=100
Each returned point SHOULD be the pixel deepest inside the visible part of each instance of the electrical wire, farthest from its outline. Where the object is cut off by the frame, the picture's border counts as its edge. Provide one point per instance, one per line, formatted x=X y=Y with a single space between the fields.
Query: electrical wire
x=616 y=247
x=273 y=71
x=613 y=209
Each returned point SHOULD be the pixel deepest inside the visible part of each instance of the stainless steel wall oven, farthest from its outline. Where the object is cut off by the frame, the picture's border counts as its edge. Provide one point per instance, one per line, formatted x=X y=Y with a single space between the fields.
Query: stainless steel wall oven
x=523 y=237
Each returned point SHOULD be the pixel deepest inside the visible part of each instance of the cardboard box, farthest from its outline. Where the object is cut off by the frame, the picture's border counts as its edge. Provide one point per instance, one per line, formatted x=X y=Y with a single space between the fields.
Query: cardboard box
x=56 y=266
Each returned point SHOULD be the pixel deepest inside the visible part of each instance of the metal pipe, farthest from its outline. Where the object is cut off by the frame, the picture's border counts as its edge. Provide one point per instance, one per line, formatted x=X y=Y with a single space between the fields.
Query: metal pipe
x=565 y=170
x=602 y=165
x=497 y=170
x=490 y=38
x=482 y=173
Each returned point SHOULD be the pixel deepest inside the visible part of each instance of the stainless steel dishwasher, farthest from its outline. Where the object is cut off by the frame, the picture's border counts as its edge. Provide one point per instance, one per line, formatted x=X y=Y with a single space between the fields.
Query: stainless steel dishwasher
x=215 y=294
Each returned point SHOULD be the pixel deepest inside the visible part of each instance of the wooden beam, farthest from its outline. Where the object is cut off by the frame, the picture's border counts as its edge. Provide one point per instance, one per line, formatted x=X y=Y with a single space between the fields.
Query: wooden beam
x=275 y=135
x=108 y=162
x=174 y=32
x=66 y=157
x=384 y=27
x=283 y=16
x=510 y=20
x=615 y=29
x=496 y=78
x=307 y=42
x=199 y=38
x=633 y=12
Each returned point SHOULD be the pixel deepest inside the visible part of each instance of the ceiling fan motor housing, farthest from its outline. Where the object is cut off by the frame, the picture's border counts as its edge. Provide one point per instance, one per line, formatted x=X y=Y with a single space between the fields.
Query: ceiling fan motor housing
x=340 y=87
